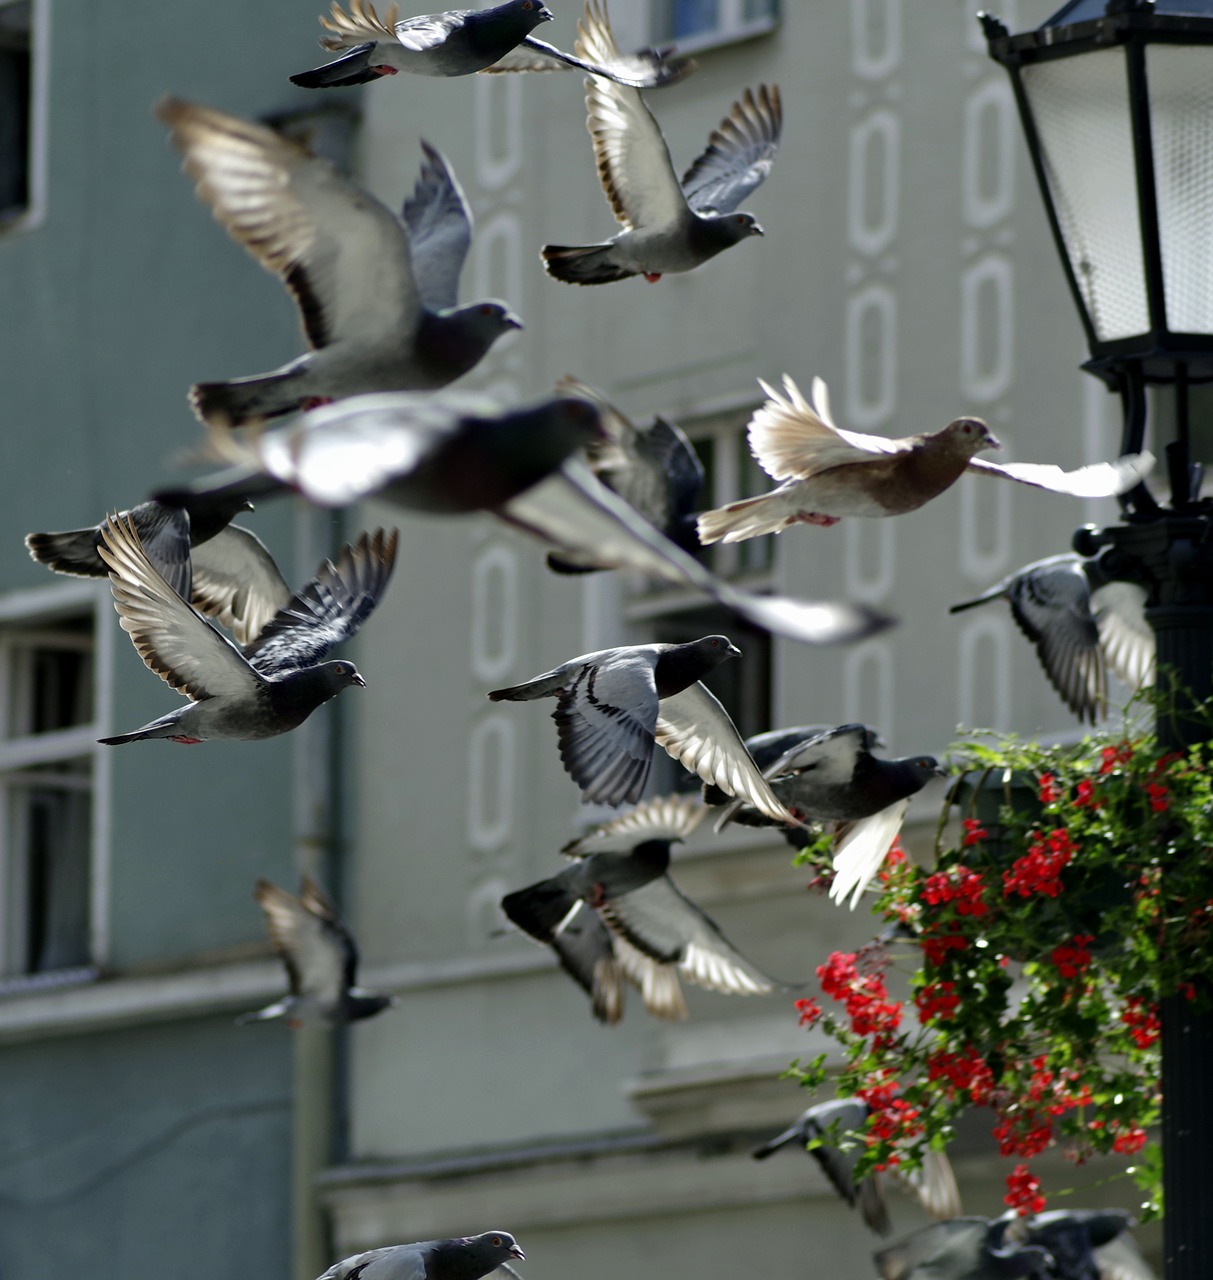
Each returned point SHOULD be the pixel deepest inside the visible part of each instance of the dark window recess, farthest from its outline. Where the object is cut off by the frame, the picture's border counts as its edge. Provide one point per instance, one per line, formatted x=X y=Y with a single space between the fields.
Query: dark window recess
x=51 y=826
x=16 y=88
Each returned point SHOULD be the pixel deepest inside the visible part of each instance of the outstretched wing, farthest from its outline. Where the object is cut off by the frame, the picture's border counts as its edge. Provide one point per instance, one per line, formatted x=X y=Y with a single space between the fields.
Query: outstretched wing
x=739 y=155
x=237 y=582
x=1099 y=480
x=440 y=230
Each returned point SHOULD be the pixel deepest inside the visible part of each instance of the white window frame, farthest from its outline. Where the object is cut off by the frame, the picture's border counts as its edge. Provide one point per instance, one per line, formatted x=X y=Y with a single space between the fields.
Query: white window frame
x=40 y=62
x=26 y=611
x=731 y=26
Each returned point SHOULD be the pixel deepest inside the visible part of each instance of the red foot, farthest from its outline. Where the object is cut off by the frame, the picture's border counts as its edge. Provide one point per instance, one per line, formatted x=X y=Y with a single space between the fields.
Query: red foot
x=314 y=402
x=186 y=742
x=294 y=1024
x=598 y=896
x=384 y=70
x=814 y=518
x=652 y=276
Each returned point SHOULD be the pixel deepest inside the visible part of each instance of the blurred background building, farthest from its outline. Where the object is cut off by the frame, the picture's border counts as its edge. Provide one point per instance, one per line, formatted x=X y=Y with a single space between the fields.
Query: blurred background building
x=906 y=260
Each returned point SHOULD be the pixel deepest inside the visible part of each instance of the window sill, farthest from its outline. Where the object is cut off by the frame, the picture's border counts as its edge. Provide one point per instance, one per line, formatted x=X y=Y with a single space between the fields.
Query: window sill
x=706 y=41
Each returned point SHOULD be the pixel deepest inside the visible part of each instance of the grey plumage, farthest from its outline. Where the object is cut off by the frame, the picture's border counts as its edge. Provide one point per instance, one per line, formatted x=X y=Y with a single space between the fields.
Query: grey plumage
x=829 y=1124
x=827 y=473
x=1085 y=1244
x=320 y=957
x=347 y=262
x=667 y=225
x=1081 y=624
x=969 y=1248
x=614 y=704
x=464 y=42
x=465 y=1258
x=280 y=679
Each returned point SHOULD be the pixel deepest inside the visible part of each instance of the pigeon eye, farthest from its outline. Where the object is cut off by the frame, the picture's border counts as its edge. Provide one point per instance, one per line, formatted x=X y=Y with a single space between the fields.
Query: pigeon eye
x=741 y=220
x=488 y=311
x=526 y=4
x=496 y=1240
x=968 y=426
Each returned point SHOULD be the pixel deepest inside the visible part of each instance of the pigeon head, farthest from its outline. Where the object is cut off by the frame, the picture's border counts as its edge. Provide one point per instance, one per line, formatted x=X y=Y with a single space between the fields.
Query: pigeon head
x=485 y=322
x=527 y=14
x=925 y=768
x=682 y=664
x=969 y=436
x=335 y=676
x=730 y=228
x=474 y=1256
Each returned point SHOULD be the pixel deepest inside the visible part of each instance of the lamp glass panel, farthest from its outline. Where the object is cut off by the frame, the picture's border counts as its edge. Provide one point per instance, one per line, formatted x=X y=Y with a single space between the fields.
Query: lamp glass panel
x=1181 y=125
x=1081 y=109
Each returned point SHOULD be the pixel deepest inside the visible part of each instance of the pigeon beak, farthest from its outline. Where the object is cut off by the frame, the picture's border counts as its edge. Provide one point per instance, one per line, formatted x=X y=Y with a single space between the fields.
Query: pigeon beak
x=358 y=680
x=516 y=1252
x=513 y=322
x=545 y=14
x=758 y=231
x=734 y=651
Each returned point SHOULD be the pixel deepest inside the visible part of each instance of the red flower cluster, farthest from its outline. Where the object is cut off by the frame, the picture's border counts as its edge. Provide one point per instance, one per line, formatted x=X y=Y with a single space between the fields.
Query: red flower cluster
x=897 y=1121
x=1029 y=1137
x=966 y=1072
x=1072 y=957
x=1112 y=756
x=975 y=833
x=961 y=886
x=1085 y=797
x=937 y=1001
x=809 y=1011
x=1158 y=797
x=935 y=948
x=1129 y=1141
x=1038 y=869
x=1049 y=790
x=1023 y=1191
x=1142 y=1021
x=871 y=1011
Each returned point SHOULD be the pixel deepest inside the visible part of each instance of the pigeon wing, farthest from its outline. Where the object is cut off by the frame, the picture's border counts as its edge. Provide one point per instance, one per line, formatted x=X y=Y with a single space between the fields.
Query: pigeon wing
x=739 y=155
x=172 y=638
x=237 y=583
x=862 y=851
x=697 y=731
x=440 y=231
x=316 y=900
x=1121 y=1259
x=634 y=164
x=664 y=924
x=343 y=255
x=314 y=959
x=793 y=438
x=362 y=23
x=1125 y=636
x=1099 y=480
x=657 y=983
x=672 y=817
x=605 y=719
x=959 y=1238
x=586 y=951
x=672 y=452
x=574 y=511
x=329 y=609
x=646 y=69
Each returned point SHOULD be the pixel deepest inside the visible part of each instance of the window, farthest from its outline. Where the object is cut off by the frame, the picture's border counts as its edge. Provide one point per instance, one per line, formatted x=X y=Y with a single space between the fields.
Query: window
x=698 y=23
x=21 y=128
x=48 y=731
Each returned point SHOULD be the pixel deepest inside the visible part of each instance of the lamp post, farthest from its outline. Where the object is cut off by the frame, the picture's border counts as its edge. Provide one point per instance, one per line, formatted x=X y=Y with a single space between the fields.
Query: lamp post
x=1116 y=101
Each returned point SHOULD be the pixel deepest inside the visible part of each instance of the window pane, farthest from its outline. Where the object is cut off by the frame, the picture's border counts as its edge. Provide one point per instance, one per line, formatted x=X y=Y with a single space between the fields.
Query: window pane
x=15 y=88
x=693 y=16
x=755 y=9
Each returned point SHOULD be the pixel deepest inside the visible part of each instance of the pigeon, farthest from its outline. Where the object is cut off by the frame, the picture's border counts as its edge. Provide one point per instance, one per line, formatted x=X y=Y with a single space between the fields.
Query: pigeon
x=561 y=912
x=1085 y=1244
x=320 y=956
x=766 y=748
x=653 y=468
x=454 y=452
x=167 y=532
x=467 y=1258
x=358 y=274
x=1082 y=623
x=962 y=1249
x=654 y=932
x=462 y=42
x=278 y=680
x=828 y=473
x=667 y=225
x=833 y=777
x=614 y=704
x=934 y=1184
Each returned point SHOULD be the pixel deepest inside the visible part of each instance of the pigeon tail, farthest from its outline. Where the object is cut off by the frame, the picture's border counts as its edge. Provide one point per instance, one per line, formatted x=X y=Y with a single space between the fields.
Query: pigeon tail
x=541 y=687
x=244 y=401
x=583 y=264
x=739 y=520
x=785 y=1139
x=235 y=482
x=279 y=1009
x=168 y=726
x=73 y=552
x=352 y=68
x=557 y=564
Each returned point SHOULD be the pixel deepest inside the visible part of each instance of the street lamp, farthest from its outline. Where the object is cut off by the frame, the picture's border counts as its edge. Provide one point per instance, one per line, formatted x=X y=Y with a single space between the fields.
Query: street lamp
x=1116 y=101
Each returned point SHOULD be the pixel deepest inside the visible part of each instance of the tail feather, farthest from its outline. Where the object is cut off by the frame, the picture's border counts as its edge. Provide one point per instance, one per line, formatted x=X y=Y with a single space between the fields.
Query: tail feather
x=73 y=552
x=244 y=401
x=993 y=594
x=740 y=520
x=541 y=687
x=583 y=264
x=351 y=68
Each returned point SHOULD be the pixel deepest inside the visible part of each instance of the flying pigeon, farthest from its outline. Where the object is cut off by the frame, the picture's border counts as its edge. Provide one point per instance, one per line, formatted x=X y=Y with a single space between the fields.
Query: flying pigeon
x=934 y=1184
x=561 y=912
x=279 y=679
x=1081 y=623
x=376 y=295
x=462 y=42
x=1086 y=1244
x=834 y=777
x=653 y=468
x=962 y=1249
x=455 y=452
x=828 y=473
x=320 y=956
x=667 y=225
x=766 y=748
x=613 y=705
x=467 y=1258
x=167 y=532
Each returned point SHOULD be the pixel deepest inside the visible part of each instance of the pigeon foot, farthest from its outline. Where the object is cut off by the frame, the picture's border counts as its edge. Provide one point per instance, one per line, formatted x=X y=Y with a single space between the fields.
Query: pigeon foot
x=384 y=70
x=652 y=276
x=187 y=742
x=314 y=402
x=813 y=517
x=597 y=898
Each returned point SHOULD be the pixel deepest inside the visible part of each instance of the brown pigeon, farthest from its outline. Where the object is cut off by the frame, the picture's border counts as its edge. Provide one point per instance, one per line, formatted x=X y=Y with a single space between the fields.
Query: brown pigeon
x=828 y=473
